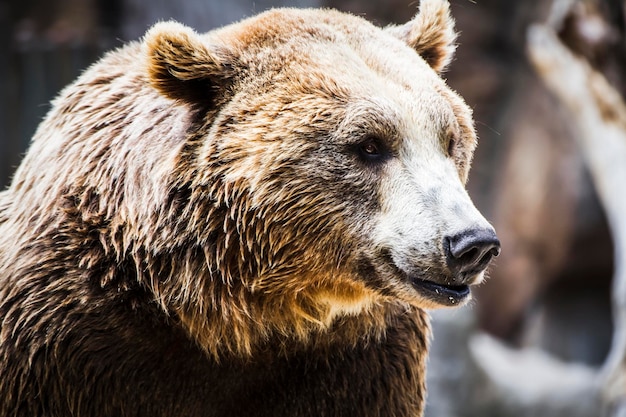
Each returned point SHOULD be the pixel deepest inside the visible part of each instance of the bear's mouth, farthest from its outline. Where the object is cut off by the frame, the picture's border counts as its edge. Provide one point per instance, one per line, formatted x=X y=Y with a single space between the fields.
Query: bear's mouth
x=436 y=292
x=440 y=293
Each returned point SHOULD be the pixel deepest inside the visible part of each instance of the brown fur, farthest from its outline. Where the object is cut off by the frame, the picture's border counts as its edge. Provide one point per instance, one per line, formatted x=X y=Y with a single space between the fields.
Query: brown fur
x=178 y=240
x=435 y=45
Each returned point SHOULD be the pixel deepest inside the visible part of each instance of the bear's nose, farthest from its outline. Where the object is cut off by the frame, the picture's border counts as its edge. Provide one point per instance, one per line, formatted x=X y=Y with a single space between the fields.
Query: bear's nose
x=471 y=250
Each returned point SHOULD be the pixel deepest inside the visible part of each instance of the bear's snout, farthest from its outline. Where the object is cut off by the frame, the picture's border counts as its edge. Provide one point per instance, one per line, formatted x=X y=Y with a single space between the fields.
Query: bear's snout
x=468 y=253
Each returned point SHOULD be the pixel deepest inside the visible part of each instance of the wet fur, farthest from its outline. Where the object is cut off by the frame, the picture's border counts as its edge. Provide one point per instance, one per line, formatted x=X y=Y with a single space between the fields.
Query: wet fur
x=148 y=268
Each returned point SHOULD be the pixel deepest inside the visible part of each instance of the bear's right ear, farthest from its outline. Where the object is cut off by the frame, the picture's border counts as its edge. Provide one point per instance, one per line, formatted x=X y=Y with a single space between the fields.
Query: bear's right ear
x=182 y=66
x=431 y=33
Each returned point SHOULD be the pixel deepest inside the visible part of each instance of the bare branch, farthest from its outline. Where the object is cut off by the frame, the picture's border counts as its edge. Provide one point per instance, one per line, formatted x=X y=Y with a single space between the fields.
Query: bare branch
x=600 y=114
x=531 y=382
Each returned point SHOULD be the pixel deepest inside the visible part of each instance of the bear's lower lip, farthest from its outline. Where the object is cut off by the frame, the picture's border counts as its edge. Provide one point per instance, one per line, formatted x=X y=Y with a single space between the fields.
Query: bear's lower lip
x=440 y=293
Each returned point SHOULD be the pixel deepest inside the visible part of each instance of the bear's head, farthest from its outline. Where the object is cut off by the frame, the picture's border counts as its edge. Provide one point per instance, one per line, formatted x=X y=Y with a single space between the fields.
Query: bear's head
x=271 y=177
x=325 y=172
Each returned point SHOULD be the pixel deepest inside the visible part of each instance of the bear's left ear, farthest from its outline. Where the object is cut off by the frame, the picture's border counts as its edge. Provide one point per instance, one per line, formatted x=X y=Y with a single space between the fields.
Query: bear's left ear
x=181 y=65
x=431 y=33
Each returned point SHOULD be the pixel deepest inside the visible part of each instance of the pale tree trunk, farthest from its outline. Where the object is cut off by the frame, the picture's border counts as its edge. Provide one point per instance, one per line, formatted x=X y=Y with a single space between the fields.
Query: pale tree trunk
x=600 y=114
x=531 y=382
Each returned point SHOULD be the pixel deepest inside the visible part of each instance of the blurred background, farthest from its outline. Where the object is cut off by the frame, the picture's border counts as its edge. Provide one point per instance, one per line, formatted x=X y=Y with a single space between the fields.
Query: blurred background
x=550 y=291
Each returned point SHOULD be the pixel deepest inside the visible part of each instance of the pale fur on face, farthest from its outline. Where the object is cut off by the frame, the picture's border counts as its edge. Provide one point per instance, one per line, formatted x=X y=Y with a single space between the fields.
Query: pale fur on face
x=430 y=131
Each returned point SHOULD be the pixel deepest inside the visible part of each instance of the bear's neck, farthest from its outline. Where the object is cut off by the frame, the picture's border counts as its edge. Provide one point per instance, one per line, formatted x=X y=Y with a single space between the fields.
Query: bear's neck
x=237 y=323
x=362 y=353
x=230 y=314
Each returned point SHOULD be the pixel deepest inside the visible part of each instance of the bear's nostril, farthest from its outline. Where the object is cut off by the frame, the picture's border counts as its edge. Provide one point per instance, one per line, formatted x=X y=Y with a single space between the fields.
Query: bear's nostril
x=471 y=250
x=469 y=255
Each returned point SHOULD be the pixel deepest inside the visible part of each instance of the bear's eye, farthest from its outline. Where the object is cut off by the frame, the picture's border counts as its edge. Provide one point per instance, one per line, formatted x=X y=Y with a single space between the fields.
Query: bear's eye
x=371 y=149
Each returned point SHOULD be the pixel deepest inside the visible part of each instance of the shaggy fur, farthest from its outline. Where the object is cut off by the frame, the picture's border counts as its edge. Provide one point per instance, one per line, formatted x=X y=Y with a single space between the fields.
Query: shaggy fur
x=198 y=229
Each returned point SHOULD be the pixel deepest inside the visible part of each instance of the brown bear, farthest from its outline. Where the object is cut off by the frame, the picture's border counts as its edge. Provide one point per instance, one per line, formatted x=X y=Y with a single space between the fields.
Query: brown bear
x=247 y=222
